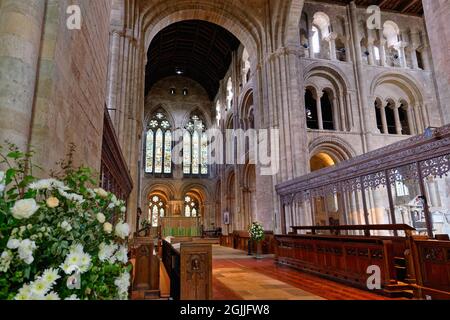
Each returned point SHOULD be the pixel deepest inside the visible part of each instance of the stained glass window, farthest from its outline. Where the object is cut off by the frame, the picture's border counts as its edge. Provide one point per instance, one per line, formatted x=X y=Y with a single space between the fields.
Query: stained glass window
x=191 y=207
x=156 y=210
x=195 y=147
x=158 y=153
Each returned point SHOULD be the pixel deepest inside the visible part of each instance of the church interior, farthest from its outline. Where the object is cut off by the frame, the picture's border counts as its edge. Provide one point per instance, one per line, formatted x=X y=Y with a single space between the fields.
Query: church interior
x=253 y=149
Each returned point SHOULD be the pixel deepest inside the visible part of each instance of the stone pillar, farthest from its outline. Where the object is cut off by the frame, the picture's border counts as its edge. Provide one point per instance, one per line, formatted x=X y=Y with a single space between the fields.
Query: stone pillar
x=398 y=124
x=332 y=43
x=412 y=129
x=337 y=114
x=413 y=54
x=401 y=50
x=21 y=27
x=367 y=125
x=383 y=117
x=310 y=39
x=319 y=110
x=113 y=71
x=437 y=15
x=371 y=51
x=383 y=52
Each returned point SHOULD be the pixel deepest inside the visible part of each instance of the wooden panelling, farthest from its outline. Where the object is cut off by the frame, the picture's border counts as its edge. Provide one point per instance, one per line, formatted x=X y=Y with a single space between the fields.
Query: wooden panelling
x=432 y=262
x=239 y=240
x=338 y=257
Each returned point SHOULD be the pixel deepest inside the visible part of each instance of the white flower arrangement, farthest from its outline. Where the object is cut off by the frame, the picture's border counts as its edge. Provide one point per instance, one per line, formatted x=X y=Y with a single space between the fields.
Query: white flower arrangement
x=256 y=231
x=50 y=235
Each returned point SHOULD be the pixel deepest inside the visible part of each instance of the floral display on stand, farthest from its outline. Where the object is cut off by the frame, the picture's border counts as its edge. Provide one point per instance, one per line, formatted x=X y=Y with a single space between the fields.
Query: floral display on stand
x=256 y=231
x=59 y=238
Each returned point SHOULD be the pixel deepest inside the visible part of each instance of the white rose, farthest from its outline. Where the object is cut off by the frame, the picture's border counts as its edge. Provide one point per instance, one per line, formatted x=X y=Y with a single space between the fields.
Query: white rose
x=13 y=244
x=107 y=227
x=66 y=226
x=123 y=209
x=24 y=209
x=101 y=192
x=52 y=202
x=122 y=230
x=101 y=217
x=26 y=249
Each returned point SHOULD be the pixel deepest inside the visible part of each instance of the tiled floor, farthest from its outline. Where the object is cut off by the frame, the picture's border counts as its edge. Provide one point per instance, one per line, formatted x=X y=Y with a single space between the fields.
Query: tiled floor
x=237 y=276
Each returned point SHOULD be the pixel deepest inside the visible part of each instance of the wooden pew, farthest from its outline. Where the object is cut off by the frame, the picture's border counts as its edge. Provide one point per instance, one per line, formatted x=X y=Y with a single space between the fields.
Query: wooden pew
x=239 y=240
x=432 y=267
x=145 y=284
x=189 y=265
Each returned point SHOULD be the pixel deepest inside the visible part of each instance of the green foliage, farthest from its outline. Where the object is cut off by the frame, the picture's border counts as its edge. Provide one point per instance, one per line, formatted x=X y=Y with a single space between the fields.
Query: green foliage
x=67 y=213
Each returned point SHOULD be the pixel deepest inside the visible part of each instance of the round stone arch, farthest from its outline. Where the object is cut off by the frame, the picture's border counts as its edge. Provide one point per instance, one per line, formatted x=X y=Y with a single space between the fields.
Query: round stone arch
x=247 y=29
x=166 y=189
x=332 y=72
x=203 y=192
x=339 y=149
x=244 y=106
x=404 y=82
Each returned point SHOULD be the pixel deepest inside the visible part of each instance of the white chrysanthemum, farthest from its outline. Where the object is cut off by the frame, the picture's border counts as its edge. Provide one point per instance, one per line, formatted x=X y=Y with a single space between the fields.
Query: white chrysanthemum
x=85 y=262
x=122 y=254
x=50 y=276
x=106 y=252
x=40 y=287
x=13 y=244
x=52 y=296
x=74 y=259
x=71 y=196
x=123 y=283
x=47 y=184
x=24 y=209
x=72 y=297
x=66 y=226
x=122 y=230
x=24 y=293
x=90 y=193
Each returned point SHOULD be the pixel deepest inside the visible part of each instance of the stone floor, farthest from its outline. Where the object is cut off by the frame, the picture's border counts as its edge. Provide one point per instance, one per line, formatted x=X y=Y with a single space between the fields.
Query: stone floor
x=237 y=276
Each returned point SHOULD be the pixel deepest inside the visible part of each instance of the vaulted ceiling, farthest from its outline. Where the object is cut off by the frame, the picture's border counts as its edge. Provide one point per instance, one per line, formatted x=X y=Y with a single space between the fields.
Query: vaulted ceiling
x=403 y=6
x=196 y=49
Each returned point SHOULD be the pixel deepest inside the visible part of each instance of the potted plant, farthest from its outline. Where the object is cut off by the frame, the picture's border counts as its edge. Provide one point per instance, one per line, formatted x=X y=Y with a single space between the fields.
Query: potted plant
x=256 y=232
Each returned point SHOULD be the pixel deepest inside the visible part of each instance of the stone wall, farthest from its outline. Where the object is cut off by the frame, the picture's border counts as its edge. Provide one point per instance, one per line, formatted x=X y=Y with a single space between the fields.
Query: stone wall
x=52 y=79
x=437 y=17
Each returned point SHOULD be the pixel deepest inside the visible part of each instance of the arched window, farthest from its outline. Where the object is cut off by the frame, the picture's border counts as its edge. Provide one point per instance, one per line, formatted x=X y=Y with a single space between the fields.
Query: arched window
x=195 y=147
x=158 y=148
x=327 y=111
x=312 y=120
x=390 y=118
x=403 y=115
x=191 y=207
x=156 y=210
x=378 y=114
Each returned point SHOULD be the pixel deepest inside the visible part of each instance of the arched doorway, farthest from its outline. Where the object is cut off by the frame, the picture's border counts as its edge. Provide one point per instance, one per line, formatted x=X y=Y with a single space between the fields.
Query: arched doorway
x=325 y=208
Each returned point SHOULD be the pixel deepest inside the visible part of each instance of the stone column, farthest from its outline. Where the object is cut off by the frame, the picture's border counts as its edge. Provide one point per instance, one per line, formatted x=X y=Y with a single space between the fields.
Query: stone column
x=383 y=52
x=337 y=115
x=412 y=52
x=367 y=125
x=113 y=71
x=21 y=27
x=401 y=49
x=332 y=43
x=310 y=39
x=383 y=118
x=398 y=124
x=412 y=129
x=370 y=48
x=319 y=110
